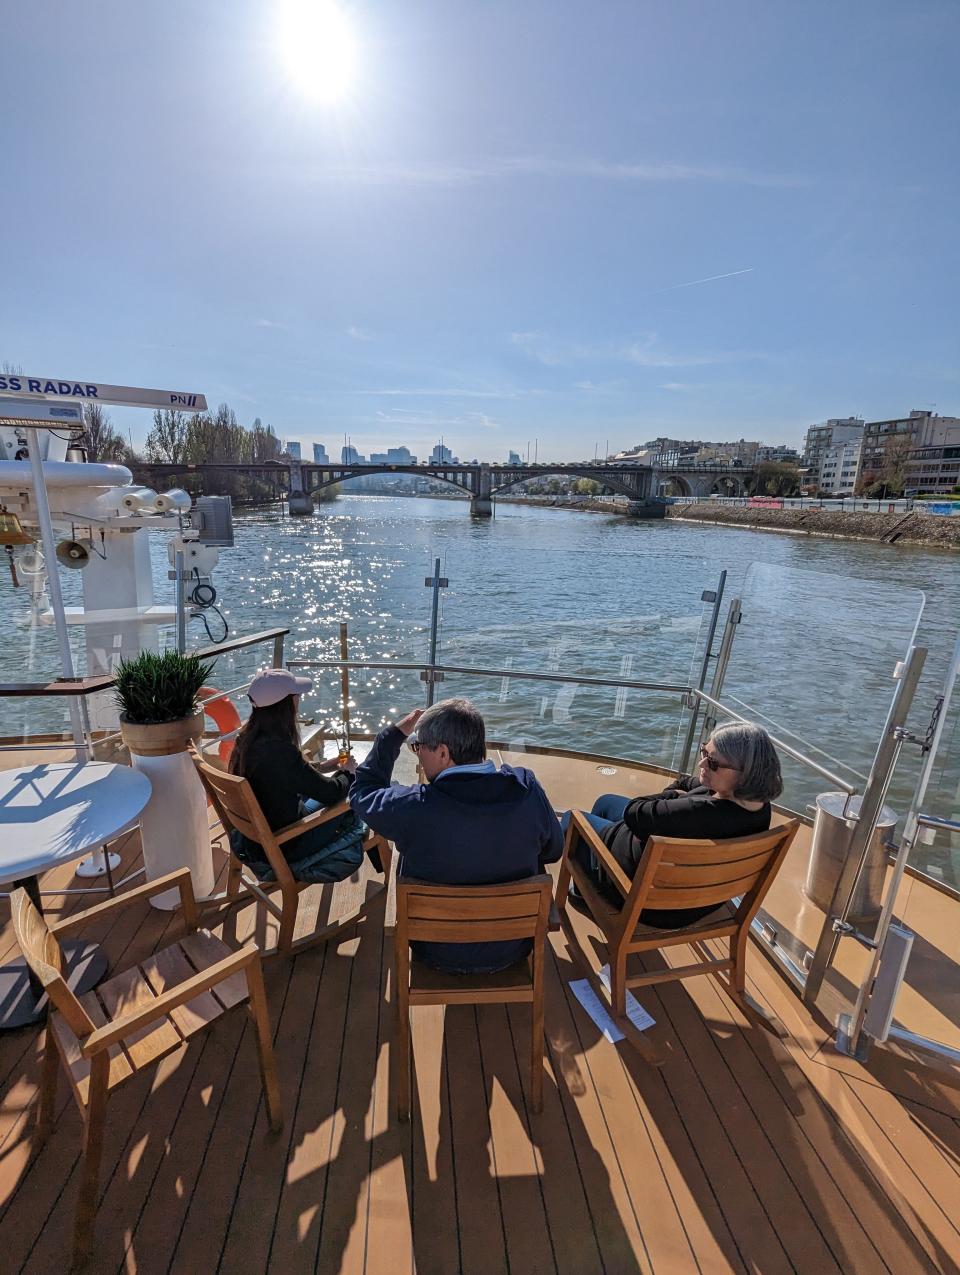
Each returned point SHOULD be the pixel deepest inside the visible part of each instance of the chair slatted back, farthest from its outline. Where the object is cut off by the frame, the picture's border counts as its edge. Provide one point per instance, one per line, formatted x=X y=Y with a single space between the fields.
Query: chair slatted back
x=678 y=873
x=237 y=808
x=473 y=913
x=42 y=953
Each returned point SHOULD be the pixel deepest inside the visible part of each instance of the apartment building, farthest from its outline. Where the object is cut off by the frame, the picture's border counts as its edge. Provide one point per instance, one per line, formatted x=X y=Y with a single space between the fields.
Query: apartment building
x=840 y=468
x=920 y=450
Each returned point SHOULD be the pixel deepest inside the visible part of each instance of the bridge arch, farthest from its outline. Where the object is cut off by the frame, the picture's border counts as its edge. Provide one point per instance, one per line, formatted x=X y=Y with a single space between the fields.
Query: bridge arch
x=675 y=485
x=607 y=480
x=343 y=474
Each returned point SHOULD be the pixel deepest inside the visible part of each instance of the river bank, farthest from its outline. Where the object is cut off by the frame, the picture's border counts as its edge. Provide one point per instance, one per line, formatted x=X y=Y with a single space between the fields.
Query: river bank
x=925 y=530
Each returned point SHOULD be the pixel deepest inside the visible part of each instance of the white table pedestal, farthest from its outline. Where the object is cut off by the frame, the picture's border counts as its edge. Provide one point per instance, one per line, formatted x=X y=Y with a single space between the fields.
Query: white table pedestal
x=174 y=826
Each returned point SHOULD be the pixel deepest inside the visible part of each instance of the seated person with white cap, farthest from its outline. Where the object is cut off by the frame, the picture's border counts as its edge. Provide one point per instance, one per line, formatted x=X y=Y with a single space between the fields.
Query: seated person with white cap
x=287 y=786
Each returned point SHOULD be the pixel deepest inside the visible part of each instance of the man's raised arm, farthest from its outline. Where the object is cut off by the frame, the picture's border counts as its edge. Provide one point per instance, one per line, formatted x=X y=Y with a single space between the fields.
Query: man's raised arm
x=373 y=798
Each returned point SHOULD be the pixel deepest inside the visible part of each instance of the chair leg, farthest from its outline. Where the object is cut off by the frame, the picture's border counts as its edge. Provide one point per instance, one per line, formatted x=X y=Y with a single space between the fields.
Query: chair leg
x=48 y=1087
x=564 y=878
x=403 y=1055
x=290 y=903
x=265 y=1055
x=618 y=983
x=736 y=983
x=92 y=1154
x=234 y=877
x=536 y=1050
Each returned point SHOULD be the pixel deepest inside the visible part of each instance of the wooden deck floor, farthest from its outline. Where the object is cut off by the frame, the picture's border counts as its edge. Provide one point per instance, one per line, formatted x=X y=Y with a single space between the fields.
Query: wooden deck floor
x=743 y=1153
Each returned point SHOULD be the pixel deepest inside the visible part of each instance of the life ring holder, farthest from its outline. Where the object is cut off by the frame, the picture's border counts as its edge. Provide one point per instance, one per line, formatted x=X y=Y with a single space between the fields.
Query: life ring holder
x=224 y=716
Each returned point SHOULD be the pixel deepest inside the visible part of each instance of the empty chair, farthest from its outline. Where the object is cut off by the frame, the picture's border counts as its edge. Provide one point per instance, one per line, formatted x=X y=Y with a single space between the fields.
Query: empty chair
x=135 y=1018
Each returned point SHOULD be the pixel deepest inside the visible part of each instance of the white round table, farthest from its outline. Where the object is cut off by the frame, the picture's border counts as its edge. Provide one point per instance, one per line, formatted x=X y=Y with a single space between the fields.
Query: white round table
x=50 y=814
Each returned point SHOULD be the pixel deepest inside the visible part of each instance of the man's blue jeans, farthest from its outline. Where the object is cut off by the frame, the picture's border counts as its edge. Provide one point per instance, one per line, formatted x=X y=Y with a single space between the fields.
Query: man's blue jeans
x=607 y=810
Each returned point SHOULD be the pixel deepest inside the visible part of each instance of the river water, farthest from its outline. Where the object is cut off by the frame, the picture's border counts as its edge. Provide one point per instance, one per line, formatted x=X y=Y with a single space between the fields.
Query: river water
x=551 y=590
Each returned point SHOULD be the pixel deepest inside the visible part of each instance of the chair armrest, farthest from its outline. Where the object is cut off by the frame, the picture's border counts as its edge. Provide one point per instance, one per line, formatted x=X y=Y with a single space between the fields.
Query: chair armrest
x=115 y=1031
x=553 y=921
x=589 y=834
x=311 y=821
x=181 y=878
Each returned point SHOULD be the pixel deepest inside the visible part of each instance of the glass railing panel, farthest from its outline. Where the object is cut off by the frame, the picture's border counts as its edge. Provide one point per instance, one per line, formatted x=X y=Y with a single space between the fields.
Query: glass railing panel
x=813 y=660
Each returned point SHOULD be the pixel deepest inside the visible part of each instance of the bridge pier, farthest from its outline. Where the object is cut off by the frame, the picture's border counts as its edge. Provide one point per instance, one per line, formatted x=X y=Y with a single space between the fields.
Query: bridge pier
x=648 y=507
x=481 y=504
x=299 y=502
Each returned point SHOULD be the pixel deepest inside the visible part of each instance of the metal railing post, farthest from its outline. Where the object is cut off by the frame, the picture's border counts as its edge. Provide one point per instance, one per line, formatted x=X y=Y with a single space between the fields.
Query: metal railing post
x=878 y=781
x=436 y=582
x=852 y=1028
x=734 y=615
x=278 y=651
x=716 y=597
x=344 y=684
x=181 y=602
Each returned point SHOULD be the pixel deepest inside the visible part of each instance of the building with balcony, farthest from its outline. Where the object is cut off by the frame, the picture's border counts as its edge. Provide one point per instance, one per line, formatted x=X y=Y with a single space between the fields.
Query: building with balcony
x=919 y=452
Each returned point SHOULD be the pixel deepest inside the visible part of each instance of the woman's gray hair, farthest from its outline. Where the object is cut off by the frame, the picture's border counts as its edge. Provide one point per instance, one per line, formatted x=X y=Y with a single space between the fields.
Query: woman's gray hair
x=749 y=748
x=456 y=723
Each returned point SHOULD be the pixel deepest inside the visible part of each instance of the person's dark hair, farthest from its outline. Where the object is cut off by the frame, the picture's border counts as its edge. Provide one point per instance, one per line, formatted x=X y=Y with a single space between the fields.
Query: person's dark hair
x=276 y=721
x=456 y=723
x=749 y=748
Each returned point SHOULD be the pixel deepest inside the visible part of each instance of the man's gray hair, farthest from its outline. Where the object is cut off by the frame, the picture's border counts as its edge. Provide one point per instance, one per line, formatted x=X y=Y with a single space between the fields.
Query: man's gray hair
x=456 y=723
x=749 y=748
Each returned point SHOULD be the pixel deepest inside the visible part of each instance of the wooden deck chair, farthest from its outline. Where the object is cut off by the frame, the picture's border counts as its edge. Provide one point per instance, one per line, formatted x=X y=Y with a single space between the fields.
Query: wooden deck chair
x=134 y=1019
x=470 y=914
x=674 y=874
x=238 y=808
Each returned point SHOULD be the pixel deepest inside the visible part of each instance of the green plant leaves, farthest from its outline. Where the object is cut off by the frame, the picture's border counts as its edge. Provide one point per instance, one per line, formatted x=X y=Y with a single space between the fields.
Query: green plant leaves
x=157 y=687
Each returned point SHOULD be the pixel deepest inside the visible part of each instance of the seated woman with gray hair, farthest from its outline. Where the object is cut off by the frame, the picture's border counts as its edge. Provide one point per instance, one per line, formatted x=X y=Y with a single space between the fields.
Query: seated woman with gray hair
x=729 y=796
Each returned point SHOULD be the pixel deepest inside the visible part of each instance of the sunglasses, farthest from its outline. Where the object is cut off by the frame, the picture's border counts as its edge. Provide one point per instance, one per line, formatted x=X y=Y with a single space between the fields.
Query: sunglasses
x=415 y=745
x=711 y=761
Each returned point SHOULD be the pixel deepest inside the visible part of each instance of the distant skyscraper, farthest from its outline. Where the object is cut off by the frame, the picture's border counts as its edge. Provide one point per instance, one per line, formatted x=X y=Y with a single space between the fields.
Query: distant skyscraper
x=350 y=456
x=292 y=449
x=513 y=458
x=320 y=456
x=393 y=456
x=442 y=455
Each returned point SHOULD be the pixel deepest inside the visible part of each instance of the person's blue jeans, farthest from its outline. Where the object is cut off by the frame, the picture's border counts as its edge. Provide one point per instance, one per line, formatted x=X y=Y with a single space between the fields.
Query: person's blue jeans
x=607 y=810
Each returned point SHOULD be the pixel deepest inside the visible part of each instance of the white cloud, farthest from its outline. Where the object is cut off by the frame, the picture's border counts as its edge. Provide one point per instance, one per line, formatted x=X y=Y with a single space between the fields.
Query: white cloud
x=359 y=334
x=535 y=345
x=676 y=386
x=471 y=172
x=645 y=350
x=269 y=323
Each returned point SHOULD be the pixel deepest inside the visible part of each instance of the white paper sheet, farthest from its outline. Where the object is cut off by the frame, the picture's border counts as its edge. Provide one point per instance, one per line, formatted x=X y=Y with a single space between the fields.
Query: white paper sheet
x=599 y=1012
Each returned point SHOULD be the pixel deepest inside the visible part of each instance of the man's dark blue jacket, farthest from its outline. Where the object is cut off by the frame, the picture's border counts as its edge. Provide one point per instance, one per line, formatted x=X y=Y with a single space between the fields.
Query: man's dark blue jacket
x=465 y=828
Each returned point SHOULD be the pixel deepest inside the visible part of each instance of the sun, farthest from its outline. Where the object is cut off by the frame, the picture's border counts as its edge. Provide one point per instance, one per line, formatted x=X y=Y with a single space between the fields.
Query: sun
x=318 y=48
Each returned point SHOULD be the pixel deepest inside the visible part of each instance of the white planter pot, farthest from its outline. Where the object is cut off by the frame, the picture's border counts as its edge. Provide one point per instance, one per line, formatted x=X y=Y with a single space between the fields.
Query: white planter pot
x=175 y=830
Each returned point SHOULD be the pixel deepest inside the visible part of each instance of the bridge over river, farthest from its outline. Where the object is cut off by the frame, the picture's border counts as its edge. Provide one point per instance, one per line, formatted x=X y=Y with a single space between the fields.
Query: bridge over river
x=643 y=485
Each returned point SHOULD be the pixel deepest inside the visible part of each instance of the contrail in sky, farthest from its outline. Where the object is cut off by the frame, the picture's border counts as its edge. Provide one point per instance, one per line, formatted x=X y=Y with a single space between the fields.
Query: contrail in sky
x=709 y=279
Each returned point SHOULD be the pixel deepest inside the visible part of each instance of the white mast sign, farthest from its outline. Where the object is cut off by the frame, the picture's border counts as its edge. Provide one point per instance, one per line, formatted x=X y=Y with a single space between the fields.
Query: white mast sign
x=46 y=388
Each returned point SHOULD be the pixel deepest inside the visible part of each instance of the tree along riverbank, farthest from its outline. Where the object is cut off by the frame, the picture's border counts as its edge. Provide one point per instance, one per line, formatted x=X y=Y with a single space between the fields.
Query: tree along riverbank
x=908 y=529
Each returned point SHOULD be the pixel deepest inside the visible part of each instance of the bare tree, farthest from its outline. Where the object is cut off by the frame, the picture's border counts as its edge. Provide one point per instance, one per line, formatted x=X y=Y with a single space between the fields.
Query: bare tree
x=167 y=440
x=103 y=441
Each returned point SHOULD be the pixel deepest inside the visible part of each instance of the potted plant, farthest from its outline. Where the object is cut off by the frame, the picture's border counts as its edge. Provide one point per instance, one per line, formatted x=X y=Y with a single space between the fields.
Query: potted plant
x=157 y=697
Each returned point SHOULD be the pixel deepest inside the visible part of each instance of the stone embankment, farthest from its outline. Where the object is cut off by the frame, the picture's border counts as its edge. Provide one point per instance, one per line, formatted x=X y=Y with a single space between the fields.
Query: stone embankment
x=898 y=528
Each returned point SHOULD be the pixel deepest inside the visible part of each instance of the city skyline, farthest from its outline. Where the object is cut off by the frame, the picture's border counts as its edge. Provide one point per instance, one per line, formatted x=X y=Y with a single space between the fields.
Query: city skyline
x=585 y=228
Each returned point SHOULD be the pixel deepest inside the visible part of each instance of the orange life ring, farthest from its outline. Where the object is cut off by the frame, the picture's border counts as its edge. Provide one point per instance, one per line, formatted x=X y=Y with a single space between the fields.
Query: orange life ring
x=225 y=717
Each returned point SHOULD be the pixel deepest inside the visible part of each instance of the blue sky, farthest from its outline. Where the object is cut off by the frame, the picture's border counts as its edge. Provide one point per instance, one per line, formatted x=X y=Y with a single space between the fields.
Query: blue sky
x=497 y=233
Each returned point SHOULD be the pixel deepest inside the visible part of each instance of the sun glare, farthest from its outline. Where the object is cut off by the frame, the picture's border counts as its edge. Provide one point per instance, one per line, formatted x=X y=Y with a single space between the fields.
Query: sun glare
x=318 y=48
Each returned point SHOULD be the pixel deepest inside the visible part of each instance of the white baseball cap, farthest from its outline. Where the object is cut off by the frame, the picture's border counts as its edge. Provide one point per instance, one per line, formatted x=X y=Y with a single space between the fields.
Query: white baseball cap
x=275 y=684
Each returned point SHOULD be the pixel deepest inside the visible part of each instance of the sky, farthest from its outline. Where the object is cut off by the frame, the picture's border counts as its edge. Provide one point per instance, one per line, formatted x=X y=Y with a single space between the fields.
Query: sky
x=573 y=226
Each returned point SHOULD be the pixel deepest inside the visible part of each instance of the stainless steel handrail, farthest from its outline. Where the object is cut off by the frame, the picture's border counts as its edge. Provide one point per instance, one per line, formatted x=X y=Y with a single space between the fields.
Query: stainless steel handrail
x=782 y=745
x=938 y=824
x=576 y=680
x=520 y=674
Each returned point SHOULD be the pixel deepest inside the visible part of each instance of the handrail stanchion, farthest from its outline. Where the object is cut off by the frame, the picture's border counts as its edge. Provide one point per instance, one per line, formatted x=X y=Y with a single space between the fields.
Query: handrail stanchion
x=344 y=684
x=881 y=772
x=723 y=659
x=436 y=582
x=716 y=599
x=278 y=649
x=852 y=1027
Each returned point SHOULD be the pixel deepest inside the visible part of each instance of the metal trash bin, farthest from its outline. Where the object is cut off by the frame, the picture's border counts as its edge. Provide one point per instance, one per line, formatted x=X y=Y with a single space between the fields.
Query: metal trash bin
x=828 y=852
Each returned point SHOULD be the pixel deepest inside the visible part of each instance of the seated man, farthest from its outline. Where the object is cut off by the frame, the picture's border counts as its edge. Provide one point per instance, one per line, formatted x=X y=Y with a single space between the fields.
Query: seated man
x=469 y=824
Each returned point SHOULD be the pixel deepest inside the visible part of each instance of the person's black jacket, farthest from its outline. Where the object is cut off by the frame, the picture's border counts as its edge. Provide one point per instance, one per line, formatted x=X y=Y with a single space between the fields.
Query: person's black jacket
x=463 y=829
x=684 y=809
x=281 y=777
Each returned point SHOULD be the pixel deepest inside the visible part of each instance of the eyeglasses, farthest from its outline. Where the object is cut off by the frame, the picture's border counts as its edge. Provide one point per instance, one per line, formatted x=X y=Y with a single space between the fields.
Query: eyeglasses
x=415 y=745
x=711 y=761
